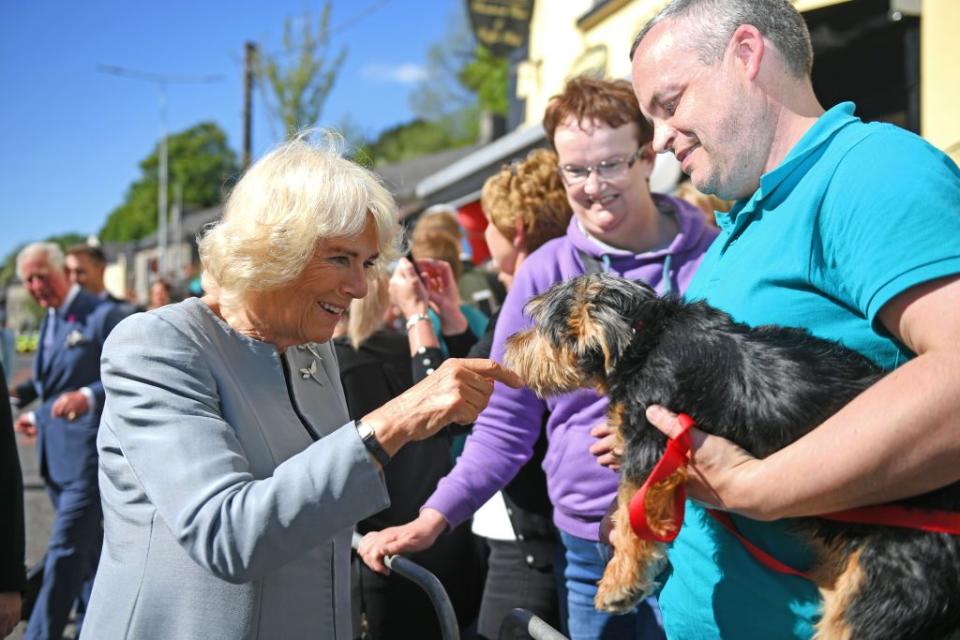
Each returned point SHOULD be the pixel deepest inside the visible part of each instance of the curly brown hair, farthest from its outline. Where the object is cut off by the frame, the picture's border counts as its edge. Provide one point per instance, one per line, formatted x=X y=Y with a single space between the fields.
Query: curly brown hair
x=611 y=102
x=532 y=191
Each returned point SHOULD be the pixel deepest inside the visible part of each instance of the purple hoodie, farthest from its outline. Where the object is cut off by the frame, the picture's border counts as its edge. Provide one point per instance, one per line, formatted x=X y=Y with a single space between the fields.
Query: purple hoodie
x=504 y=434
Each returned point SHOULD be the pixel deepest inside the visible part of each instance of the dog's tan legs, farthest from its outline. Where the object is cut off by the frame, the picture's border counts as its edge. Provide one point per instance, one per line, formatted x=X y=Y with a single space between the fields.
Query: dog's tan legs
x=627 y=578
x=661 y=512
x=839 y=577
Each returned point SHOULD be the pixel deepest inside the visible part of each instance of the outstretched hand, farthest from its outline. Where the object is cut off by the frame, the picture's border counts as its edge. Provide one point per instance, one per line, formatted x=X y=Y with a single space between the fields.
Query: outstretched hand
x=416 y=535
x=718 y=468
x=455 y=393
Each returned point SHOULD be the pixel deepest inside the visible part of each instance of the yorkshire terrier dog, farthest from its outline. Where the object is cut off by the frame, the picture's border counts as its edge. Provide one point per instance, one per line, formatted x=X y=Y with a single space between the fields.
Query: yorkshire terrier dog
x=761 y=388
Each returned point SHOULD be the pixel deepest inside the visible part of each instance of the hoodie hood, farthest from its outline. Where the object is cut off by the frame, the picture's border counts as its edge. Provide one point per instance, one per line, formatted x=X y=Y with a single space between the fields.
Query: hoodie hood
x=693 y=237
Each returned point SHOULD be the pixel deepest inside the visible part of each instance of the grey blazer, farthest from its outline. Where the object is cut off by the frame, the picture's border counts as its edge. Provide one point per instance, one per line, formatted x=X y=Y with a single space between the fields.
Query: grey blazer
x=222 y=517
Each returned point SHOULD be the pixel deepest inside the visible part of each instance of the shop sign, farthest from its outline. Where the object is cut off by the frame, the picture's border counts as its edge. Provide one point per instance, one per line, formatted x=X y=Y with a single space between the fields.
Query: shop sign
x=500 y=25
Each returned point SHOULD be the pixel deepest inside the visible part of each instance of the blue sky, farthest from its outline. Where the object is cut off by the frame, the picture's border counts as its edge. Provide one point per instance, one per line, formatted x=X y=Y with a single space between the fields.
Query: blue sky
x=71 y=137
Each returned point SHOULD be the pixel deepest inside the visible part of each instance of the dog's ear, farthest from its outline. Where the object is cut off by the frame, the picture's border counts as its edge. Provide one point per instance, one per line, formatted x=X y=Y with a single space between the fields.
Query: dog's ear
x=615 y=311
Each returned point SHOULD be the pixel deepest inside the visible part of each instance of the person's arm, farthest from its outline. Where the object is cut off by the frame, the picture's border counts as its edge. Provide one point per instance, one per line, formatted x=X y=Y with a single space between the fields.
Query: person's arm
x=24 y=393
x=164 y=411
x=91 y=397
x=891 y=252
x=408 y=293
x=500 y=444
x=12 y=576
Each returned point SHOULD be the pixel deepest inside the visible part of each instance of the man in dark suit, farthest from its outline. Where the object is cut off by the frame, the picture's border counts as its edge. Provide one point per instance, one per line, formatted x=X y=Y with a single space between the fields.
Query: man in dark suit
x=67 y=382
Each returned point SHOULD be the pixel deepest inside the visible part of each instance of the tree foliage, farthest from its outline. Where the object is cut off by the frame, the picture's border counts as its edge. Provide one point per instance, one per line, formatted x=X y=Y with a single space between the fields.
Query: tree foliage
x=408 y=141
x=297 y=81
x=199 y=160
x=487 y=76
x=463 y=80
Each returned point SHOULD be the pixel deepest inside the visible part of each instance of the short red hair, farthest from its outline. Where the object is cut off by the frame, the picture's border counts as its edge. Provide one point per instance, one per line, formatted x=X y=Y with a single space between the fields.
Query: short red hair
x=610 y=102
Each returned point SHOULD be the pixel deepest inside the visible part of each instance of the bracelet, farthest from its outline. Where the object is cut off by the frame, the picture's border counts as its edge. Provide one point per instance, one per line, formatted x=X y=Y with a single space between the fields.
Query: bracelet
x=369 y=439
x=414 y=319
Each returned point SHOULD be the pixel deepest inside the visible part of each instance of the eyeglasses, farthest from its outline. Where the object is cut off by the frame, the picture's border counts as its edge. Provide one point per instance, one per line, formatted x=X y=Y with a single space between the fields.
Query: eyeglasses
x=606 y=169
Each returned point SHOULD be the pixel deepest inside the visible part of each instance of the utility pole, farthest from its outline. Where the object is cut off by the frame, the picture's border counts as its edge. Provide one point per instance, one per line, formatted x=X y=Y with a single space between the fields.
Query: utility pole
x=249 y=62
x=177 y=231
x=161 y=81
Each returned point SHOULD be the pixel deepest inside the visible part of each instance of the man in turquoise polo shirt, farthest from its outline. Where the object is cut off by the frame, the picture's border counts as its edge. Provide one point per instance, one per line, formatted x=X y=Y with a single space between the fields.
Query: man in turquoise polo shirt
x=847 y=229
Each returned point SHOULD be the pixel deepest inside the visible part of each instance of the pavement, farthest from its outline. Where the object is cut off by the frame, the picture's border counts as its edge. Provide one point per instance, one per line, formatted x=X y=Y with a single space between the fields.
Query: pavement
x=37 y=508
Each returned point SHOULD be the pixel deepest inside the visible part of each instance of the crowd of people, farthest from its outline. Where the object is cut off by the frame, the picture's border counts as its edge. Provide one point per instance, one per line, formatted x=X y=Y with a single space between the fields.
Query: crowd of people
x=209 y=460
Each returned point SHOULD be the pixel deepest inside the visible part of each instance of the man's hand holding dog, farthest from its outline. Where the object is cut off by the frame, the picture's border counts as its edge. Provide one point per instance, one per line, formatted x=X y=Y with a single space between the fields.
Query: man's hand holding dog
x=720 y=472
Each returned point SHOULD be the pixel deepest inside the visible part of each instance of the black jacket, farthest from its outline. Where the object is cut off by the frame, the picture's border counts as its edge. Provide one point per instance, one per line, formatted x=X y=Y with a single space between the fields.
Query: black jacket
x=12 y=576
x=528 y=503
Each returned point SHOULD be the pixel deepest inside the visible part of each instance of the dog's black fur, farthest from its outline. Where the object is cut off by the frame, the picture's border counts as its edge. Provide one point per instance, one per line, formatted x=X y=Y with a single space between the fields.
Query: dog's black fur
x=761 y=388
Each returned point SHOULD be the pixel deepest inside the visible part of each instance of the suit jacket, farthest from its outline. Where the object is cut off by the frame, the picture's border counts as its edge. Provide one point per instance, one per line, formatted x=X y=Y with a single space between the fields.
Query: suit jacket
x=67 y=449
x=229 y=489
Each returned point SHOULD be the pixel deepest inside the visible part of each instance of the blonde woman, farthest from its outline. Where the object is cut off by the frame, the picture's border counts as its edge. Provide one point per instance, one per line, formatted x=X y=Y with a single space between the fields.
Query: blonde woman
x=231 y=474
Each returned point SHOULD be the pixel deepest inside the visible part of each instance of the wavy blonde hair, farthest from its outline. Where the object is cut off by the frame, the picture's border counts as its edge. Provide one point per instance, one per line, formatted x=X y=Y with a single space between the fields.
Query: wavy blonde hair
x=532 y=191
x=296 y=195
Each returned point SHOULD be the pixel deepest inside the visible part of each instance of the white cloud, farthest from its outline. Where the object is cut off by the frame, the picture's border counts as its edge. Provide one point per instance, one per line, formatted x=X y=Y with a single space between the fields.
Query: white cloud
x=408 y=73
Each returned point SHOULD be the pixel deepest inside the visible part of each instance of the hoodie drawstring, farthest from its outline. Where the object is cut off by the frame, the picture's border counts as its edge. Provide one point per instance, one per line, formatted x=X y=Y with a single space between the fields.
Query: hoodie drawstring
x=667 y=287
x=592 y=265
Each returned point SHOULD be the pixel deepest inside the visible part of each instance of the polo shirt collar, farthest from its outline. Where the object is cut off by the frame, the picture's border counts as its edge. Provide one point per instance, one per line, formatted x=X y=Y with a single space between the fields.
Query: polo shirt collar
x=822 y=130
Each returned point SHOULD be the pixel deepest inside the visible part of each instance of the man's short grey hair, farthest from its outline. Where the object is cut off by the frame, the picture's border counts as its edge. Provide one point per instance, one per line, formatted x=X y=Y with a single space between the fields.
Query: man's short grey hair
x=777 y=20
x=50 y=250
x=296 y=195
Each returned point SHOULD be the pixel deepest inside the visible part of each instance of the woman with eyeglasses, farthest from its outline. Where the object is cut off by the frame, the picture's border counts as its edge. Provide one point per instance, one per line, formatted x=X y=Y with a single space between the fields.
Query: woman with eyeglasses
x=605 y=160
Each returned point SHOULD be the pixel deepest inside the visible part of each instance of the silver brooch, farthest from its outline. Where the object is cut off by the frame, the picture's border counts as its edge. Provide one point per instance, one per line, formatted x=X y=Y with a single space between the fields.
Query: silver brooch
x=311 y=372
x=74 y=338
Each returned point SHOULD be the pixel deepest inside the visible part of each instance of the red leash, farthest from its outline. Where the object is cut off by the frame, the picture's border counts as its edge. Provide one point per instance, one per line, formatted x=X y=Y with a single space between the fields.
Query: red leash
x=675 y=457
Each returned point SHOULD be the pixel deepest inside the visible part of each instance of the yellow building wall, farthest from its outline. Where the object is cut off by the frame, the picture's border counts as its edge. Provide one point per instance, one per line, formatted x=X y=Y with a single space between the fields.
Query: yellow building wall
x=940 y=74
x=558 y=46
x=555 y=42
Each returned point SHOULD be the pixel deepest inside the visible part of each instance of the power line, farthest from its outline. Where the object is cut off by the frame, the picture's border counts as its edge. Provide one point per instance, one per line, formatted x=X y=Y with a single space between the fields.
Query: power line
x=343 y=26
x=162 y=81
x=159 y=78
x=340 y=28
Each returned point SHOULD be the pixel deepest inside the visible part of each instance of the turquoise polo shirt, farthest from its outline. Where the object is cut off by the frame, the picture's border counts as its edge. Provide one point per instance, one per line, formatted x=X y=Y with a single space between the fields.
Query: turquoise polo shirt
x=855 y=214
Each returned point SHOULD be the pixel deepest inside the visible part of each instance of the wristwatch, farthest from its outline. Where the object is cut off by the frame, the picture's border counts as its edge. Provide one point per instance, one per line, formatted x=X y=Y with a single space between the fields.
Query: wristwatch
x=369 y=440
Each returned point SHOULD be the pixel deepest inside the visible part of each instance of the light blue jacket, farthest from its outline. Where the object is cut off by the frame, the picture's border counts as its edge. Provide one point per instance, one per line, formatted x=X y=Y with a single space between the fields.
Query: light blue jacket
x=222 y=517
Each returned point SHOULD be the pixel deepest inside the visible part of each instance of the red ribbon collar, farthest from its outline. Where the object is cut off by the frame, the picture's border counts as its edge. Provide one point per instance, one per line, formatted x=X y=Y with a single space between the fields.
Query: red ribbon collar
x=675 y=457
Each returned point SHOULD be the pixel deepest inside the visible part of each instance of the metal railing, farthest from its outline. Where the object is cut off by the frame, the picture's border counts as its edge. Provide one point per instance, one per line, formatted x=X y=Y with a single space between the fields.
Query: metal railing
x=534 y=626
x=449 y=629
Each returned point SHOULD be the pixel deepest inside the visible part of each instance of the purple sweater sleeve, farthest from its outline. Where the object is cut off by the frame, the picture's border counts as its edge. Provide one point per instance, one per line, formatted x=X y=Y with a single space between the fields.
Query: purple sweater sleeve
x=504 y=434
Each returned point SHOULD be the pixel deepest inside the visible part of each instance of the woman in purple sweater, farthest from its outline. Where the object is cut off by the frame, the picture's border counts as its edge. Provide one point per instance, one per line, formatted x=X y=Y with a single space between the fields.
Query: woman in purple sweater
x=603 y=145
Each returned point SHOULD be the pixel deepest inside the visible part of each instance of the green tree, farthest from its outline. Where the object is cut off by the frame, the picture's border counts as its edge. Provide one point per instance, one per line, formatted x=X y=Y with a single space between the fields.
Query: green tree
x=487 y=76
x=297 y=81
x=409 y=140
x=199 y=160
